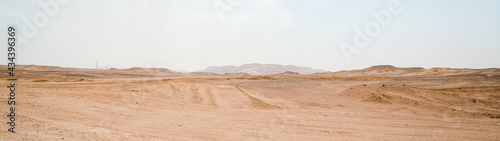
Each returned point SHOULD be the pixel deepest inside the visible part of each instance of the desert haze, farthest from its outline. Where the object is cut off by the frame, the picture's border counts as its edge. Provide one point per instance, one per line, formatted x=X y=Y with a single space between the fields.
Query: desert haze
x=260 y=69
x=376 y=103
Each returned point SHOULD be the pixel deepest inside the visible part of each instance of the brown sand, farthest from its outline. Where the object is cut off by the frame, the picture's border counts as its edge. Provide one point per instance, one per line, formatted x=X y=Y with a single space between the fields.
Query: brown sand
x=378 y=103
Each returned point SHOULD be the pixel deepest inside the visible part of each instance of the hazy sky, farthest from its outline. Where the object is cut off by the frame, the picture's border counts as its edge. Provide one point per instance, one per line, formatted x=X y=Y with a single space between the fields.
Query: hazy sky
x=190 y=35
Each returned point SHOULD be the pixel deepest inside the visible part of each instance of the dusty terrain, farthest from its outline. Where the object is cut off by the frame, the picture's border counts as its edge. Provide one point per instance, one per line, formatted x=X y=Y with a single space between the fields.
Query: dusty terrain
x=377 y=103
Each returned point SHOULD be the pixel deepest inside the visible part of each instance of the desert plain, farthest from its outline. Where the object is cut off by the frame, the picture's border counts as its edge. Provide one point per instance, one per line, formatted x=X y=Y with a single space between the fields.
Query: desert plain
x=376 y=103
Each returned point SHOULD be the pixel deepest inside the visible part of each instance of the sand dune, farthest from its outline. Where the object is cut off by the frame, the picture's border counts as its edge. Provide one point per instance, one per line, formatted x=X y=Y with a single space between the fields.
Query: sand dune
x=377 y=103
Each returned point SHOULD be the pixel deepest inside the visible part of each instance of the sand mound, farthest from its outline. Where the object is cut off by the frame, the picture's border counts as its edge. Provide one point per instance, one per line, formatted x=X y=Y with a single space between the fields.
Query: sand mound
x=360 y=92
x=382 y=99
x=321 y=78
x=381 y=69
x=457 y=102
x=371 y=78
x=265 y=77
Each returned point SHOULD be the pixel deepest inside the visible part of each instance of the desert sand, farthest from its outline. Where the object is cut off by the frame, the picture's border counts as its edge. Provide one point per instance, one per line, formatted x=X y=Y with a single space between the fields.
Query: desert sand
x=377 y=103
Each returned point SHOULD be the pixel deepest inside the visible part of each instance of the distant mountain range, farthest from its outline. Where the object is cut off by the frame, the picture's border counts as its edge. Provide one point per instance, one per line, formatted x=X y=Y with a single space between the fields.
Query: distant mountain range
x=273 y=70
x=261 y=69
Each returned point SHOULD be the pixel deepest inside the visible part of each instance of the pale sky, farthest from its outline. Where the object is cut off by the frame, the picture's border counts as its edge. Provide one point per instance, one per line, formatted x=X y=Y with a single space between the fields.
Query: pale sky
x=191 y=35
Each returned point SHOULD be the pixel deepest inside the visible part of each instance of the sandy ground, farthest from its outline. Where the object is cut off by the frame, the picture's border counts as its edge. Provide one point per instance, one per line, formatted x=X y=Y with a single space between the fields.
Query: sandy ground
x=383 y=103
